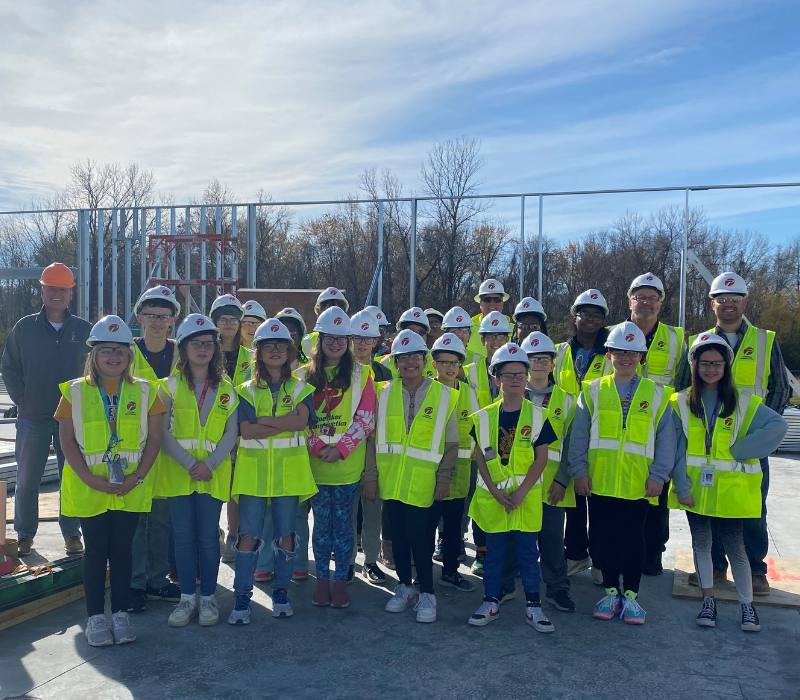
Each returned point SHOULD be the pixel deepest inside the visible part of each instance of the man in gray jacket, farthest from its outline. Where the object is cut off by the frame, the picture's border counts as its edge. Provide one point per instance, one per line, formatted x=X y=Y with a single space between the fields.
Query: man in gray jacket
x=42 y=350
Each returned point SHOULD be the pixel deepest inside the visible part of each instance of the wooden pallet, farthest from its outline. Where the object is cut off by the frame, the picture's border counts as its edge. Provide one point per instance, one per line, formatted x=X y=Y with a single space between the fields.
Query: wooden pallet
x=27 y=611
x=784 y=579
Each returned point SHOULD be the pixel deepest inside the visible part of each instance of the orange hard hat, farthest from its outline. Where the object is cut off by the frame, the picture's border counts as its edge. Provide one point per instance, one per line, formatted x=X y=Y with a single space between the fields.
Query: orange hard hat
x=57 y=275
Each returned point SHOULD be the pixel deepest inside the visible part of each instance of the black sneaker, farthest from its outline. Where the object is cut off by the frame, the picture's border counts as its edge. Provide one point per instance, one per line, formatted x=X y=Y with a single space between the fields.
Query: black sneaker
x=351 y=574
x=457 y=581
x=750 y=621
x=170 y=593
x=438 y=553
x=562 y=601
x=462 y=557
x=137 y=601
x=373 y=573
x=707 y=617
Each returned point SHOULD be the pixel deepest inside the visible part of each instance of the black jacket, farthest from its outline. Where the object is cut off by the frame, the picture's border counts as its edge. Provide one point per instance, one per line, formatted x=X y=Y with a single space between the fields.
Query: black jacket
x=37 y=358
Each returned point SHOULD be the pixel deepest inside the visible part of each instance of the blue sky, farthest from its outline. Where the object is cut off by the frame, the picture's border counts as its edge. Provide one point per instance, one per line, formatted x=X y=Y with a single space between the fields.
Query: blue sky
x=298 y=98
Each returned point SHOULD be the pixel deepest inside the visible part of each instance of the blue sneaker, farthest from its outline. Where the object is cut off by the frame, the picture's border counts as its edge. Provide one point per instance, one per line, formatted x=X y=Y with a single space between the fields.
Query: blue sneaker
x=240 y=615
x=281 y=607
x=632 y=612
x=609 y=605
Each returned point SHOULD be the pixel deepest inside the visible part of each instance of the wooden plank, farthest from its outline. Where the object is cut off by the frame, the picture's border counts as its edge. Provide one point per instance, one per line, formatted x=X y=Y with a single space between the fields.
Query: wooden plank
x=28 y=611
x=784 y=581
x=49 y=506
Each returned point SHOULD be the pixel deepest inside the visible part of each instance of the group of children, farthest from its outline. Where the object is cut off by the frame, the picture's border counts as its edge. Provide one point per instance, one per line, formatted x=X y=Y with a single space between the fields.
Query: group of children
x=252 y=412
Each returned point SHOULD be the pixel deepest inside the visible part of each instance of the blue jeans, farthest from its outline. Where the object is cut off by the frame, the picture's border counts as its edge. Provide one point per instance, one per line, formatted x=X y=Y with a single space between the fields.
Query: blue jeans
x=756 y=535
x=32 y=450
x=266 y=558
x=151 y=547
x=251 y=523
x=527 y=558
x=195 y=527
x=333 y=528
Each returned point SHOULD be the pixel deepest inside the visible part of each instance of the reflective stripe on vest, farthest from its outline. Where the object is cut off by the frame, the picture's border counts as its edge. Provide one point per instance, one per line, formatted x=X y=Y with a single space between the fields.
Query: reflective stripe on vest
x=564 y=370
x=477 y=375
x=560 y=411
x=663 y=355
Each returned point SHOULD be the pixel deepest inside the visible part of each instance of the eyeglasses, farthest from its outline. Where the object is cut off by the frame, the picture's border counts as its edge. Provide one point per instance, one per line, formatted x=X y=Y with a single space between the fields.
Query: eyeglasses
x=712 y=364
x=590 y=315
x=113 y=352
x=202 y=344
x=727 y=298
x=361 y=340
x=539 y=359
x=530 y=326
x=251 y=324
x=645 y=300
x=227 y=321
x=274 y=346
x=448 y=363
x=492 y=300
x=409 y=357
x=156 y=317
x=623 y=353
x=495 y=336
x=335 y=339
x=513 y=376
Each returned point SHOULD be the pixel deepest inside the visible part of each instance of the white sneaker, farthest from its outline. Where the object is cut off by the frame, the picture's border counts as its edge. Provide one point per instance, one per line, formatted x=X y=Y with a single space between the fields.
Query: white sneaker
x=597 y=576
x=98 y=633
x=426 y=608
x=404 y=597
x=209 y=612
x=122 y=628
x=184 y=611
x=486 y=613
x=575 y=566
x=535 y=617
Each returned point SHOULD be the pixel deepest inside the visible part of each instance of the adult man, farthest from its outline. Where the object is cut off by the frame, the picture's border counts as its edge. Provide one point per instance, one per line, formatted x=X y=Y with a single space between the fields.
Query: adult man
x=665 y=350
x=41 y=351
x=758 y=368
x=435 y=319
x=490 y=297
x=155 y=356
x=529 y=317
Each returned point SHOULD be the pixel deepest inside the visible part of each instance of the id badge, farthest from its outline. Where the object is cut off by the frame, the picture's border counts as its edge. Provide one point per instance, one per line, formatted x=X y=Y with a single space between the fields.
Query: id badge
x=489 y=454
x=707 y=477
x=116 y=470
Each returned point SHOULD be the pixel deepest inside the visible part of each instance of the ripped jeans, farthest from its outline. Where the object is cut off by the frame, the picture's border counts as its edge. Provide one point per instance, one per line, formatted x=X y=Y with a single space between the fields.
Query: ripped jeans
x=251 y=521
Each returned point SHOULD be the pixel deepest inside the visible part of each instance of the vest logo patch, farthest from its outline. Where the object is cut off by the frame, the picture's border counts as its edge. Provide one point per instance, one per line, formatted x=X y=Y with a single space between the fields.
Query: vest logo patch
x=245 y=365
x=644 y=405
x=130 y=408
x=464 y=413
x=660 y=344
x=557 y=412
x=525 y=431
x=225 y=399
x=748 y=351
x=287 y=400
x=728 y=422
x=428 y=410
x=596 y=367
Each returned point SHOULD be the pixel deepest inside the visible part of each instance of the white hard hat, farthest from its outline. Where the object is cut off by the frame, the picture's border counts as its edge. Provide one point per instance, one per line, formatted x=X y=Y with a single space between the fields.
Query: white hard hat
x=450 y=342
x=331 y=294
x=194 y=324
x=224 y=300
x=333 y=321
x=271 y=329
x=728 y=283
x=364 y=324
x=160 y=292
x=378 y=314
x=626 y=336
x=648 y=279
x=456 y=318
x=110 y=329
x=591 y=297
x=510 y=352
x=536 y=343
x=529 y=305
x=413 y=315
x=434 y=312
x=707 y=339
x=289 y=312
x=491 y=286
x=406 y=341
x=253 y=308
x=494 y=322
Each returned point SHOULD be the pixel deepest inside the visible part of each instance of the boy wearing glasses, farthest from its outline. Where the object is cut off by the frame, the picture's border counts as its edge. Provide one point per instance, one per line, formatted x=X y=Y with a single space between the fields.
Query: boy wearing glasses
x=154 y=355
x=491 y=296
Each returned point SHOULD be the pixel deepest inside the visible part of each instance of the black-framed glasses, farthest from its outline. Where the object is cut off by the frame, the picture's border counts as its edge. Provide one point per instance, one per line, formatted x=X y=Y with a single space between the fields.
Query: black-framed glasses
x=529 y=326
x=448 y=363
x=727 y=298
x=513 y=376
x=156 y=317
x=202 y=344
x=645 y=300
x=274 y=345
x=492 y=300
x=335 y=339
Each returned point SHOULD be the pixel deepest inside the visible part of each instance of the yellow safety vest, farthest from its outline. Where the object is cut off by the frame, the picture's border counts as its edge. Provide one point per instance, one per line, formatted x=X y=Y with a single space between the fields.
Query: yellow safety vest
x=93 y=433
x=477 y=375
x=407 y=460
x=484 y=508
x=751 y=363
x=619 y=458
x=199 y=440
x=427 y=371
x=736 y=488
x=560 y=411
x=244 y=365
x=277 y=465
x=663 y=355
x=143 y=369
x=564 y=370
x=466 y=406
x=332 y=426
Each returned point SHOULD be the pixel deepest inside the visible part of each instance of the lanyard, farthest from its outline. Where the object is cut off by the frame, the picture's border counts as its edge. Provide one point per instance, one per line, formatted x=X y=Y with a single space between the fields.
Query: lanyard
x=626 y=403
x=709 y=423
x=202 y=396
x=110 y=405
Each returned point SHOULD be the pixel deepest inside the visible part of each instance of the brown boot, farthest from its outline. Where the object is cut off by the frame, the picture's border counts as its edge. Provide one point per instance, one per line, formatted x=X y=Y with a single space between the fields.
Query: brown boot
x=760 y=585
x=339 y=597
x=720 y=577
x=322 y=593
x=387 y=556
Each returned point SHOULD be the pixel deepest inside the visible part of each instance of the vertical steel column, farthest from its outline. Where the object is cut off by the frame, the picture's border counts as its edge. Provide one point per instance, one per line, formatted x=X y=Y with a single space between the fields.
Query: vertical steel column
x=684 y=262
x=135 y=237
x=522 y=247
x=381 y=215
x=540 y=277
x=173 y=231
x=99 y=231
x=251 y=245
x=114 y=261
x=412 y=255
x=160 y=254
x=235 y=247
x=187 y=273
x=86 y=264
x=143 y=272
x=203 y=224
x=79 y=265
x=128 y=276
x=218 y=256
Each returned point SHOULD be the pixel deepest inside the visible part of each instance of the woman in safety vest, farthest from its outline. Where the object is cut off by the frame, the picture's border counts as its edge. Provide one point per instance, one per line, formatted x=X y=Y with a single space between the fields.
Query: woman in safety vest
x=512 y=436
x=200 y=431
x=110 y=429
x=253 y=316
x=722 y=434
x=413 y=319
x=621 y=451
x=458 y=322
x=272 y=464
x=448 y=356
x=410 y=462
x=292 y=319
x=344 y=406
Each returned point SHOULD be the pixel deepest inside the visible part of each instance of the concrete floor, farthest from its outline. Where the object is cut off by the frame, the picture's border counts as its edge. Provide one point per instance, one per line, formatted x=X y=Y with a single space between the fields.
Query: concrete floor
x=365 y=652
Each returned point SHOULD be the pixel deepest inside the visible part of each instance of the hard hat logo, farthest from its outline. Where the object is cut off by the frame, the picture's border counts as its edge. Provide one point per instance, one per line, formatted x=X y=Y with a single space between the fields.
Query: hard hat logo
x=379 y=316
x=417 y=314
x=526 y=305
x=165 y=292
x=274 y=327
x=512 y=350
x=491 y=285
x=459 y=318
x=629 y=337
x=535 y=342
x=113 y=327
x=704 y=337
x=200 y=322
x=495 y=322
x=365 y=326
x=337 y=321
x=248 y=306
x=729 y=282
x=446 y=341
x=649 y=278
x=593 y=295
x=404 y=341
